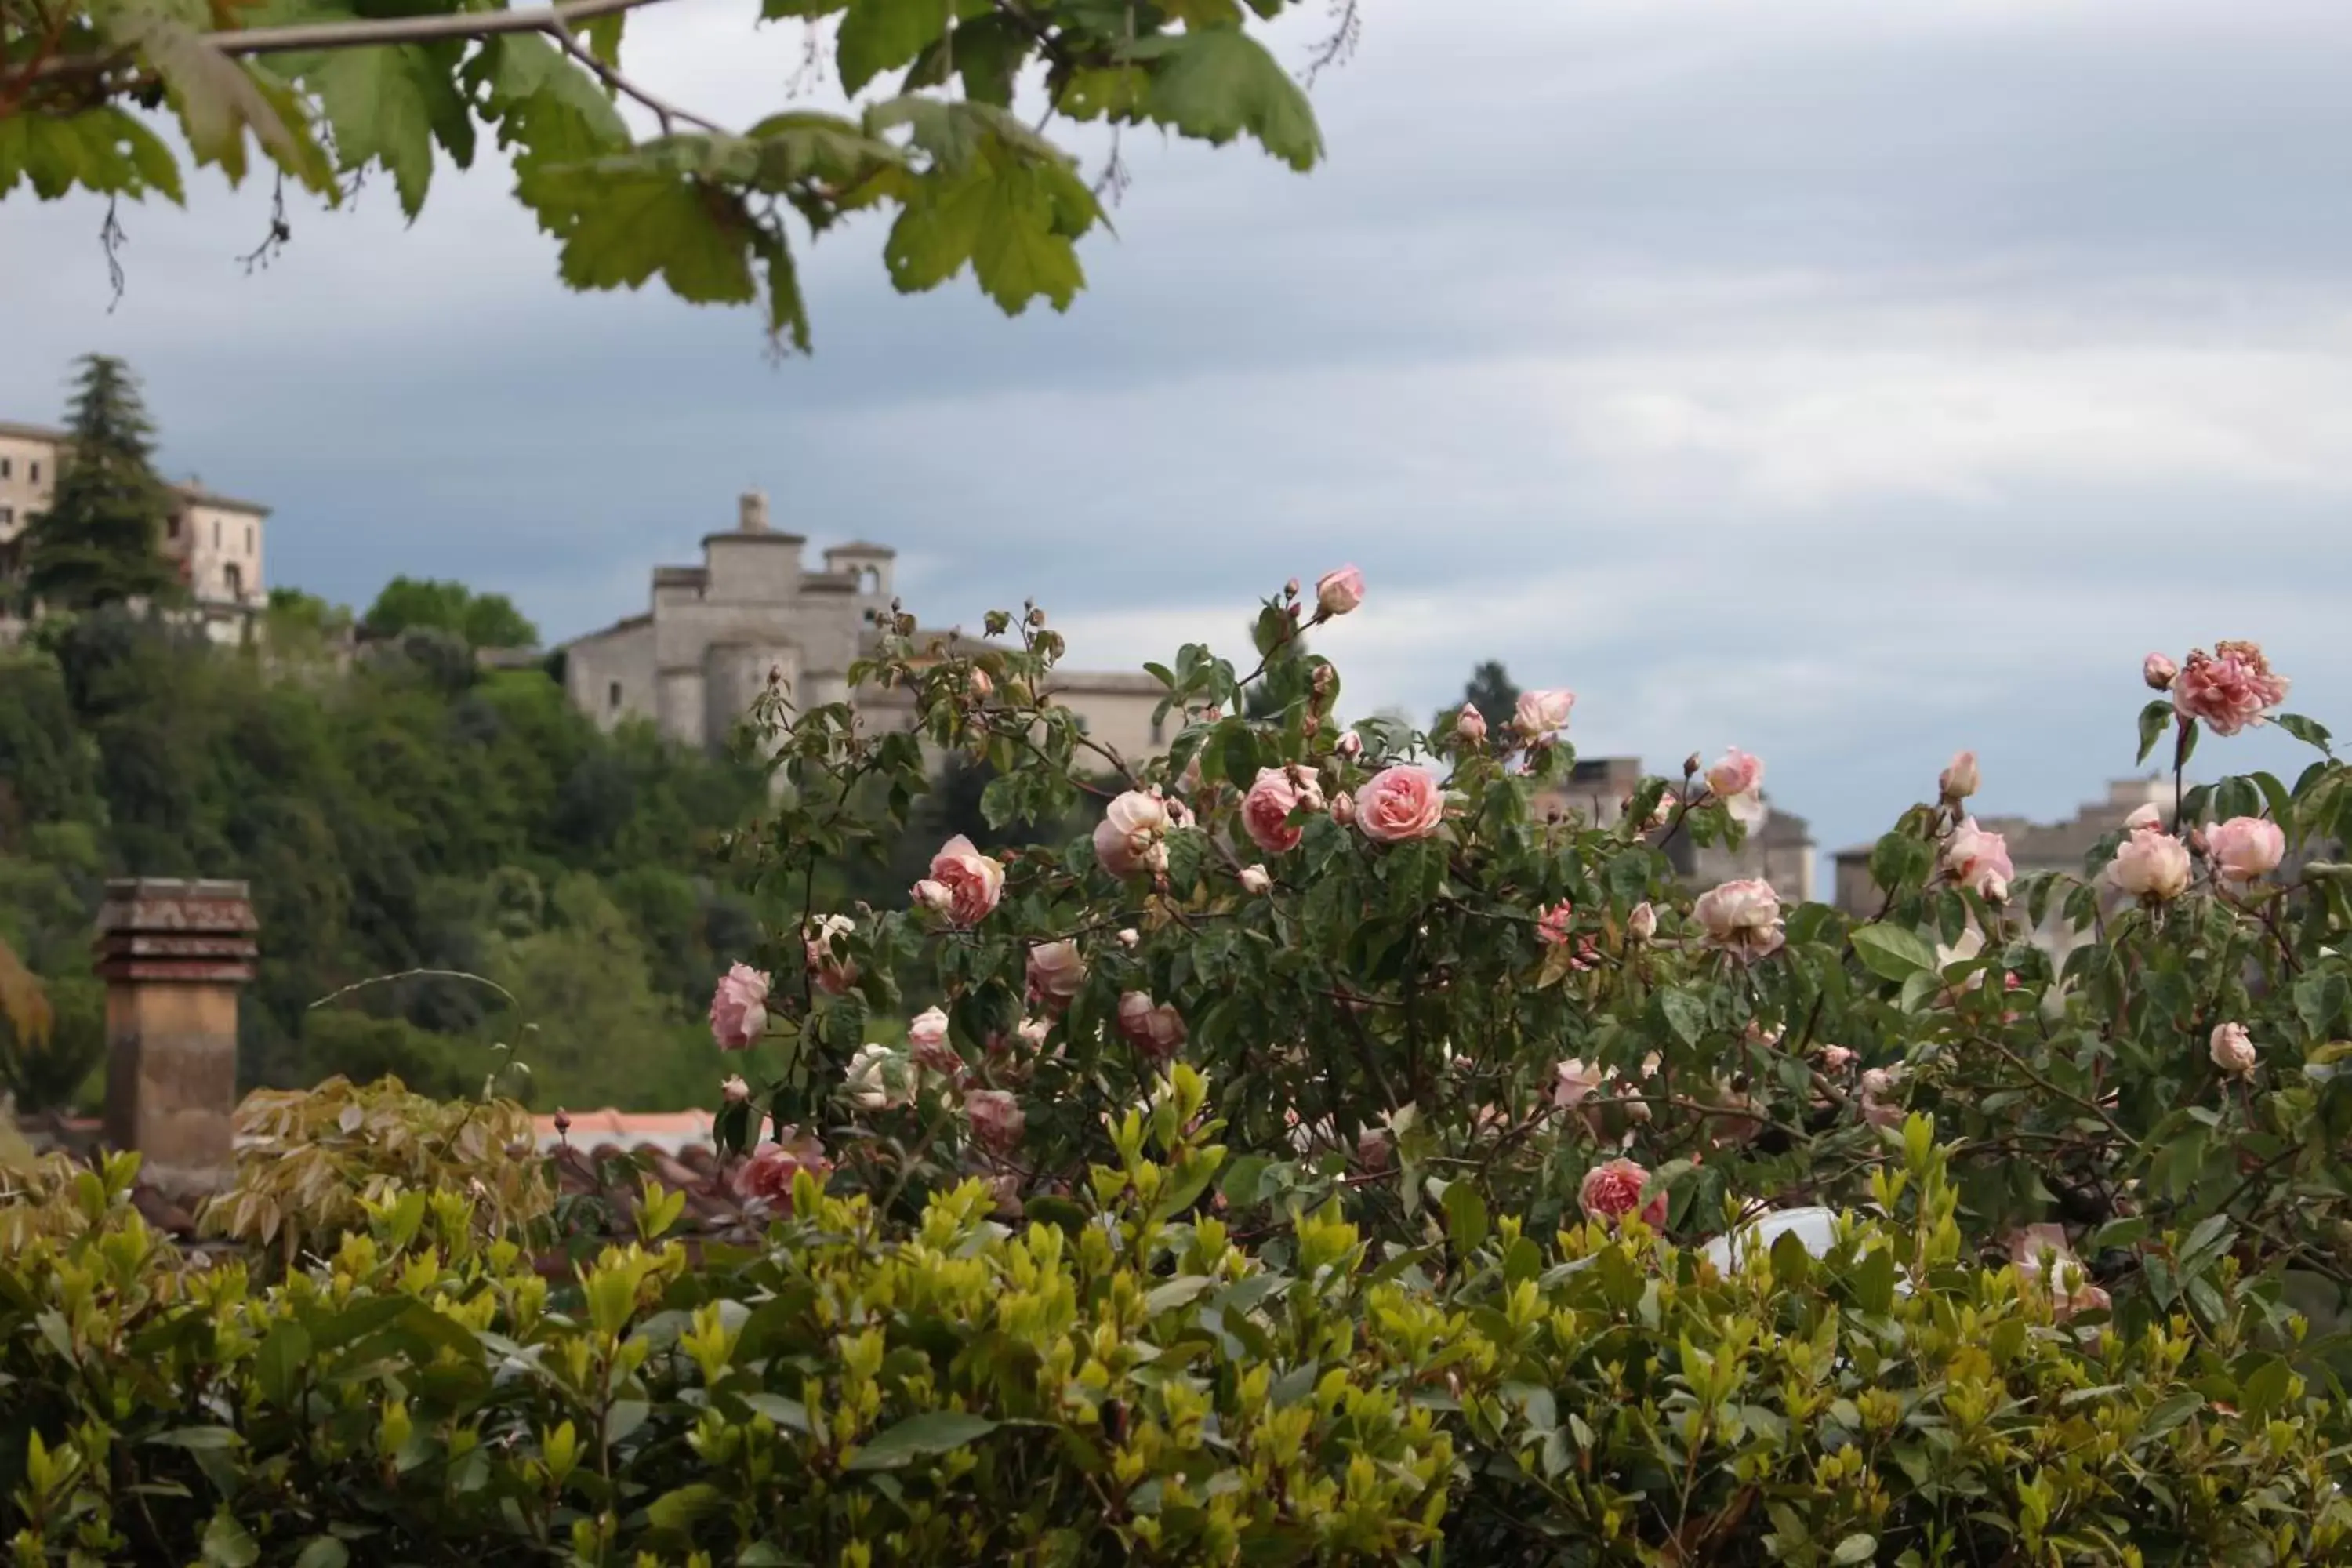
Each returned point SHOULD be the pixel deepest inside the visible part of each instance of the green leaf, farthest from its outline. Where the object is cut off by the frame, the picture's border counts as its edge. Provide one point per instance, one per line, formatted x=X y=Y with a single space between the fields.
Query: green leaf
x=2169 y=1412
x=1465 y=1218
x=922 y=1436
x=1179 y=1291
x=881 y=35
x=277 y=1364
x=679 y=1509
x=1892 y=952
x=218 y=99
x=788 y=1414
x=385 y=105
x=1856 y=1548
x=197 y=1438
x=101 y=149
x=621 y=222
x=1023 y=250
x=1685 y=1013
x=2152 y=721
x=1219 y=82
x=2310 y=732
x=226 y=1544
x=323 y=1551
x=551 y=108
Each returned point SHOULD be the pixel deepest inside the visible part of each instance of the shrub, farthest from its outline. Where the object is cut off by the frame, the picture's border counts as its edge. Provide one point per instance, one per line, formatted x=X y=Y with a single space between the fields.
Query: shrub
x=1123 y=1384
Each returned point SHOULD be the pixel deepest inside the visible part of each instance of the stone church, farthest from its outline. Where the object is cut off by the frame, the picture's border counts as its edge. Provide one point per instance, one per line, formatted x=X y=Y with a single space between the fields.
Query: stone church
x=700 y=655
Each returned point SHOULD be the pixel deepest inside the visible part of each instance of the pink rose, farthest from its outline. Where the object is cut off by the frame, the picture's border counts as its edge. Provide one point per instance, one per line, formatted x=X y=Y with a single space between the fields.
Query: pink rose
x=934 y=895
x=1132 y=835
x=980 y=685
x=2245 y=848
x=1343 y=809
x=2229 y=689
x=767 y=1176
x=1470 y=727
x=1642 y=924
x=1400 y=804
x=1959 y=778
x=996 y=1118
x=1267 y=808
x=1835 y=1058
x=1613 y=1190
x=878 y=1078
x=1056 y=972
x=927 y=1038
x=1737 y=780
x=734 y=1089
x=1339 y=592
x=1742 y=918
x=739 y=1009
x=1255 y=881
x=2150 y=865
x=1978 y=861
x=1156 y=1031
x=1350 y=744
x=1035 y=1031
x=973 y=881
x=2043 y=1253
x=1878 y=1108
x=1542 y=712
x=2233 y=1050
x=2141 y=816
x=832 y=973
x=1130 y=937
x=1552 y=924
x=2158 y=672
x=1574 y=1082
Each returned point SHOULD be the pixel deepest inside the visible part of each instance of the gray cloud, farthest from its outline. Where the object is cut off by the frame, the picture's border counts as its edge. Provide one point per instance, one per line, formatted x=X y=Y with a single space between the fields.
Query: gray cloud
x=1850 y=381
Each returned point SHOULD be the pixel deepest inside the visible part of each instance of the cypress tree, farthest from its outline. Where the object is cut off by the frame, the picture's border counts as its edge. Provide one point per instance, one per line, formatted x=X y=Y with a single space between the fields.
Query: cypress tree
x=100 y=541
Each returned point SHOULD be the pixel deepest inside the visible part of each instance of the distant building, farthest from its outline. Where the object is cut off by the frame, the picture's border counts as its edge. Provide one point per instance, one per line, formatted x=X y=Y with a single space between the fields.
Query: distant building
x=1779 y=850
x=216 y=540
x=701 y=654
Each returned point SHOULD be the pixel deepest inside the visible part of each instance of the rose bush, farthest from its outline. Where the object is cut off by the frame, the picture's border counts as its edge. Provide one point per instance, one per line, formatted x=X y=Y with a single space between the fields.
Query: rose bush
x=2087 y=1130
x=1376 y=935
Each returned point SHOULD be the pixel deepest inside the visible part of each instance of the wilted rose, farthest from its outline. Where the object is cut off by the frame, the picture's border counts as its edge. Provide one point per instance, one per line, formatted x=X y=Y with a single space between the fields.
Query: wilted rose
x=997 y=1120
x=1978 y=861
x=2158 y=672
x=2229 y=689
x=1742 y=918
x=828 y=967
x=1056 y=972
x=1132 y=835
x=2233 y=1050
x=927 y=1038
x=767 y=1176
x=1959 y=778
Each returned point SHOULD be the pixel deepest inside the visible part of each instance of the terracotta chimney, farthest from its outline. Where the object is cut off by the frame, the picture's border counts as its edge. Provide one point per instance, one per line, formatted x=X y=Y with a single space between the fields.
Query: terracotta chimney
x=174 y=955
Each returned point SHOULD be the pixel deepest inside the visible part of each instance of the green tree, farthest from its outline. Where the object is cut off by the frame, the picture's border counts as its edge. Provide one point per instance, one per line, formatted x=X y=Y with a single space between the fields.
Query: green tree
x=98 y=543
x=707 y=207
x=1492 y=692
x=484 y=620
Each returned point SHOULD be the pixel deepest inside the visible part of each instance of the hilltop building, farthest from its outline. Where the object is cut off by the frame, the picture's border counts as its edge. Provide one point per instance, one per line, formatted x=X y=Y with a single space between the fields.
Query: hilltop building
x=215 y=540
x=1779 y=850
x=699 y=656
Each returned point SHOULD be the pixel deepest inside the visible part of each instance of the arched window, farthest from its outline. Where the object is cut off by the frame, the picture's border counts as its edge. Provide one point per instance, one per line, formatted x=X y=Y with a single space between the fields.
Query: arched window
x=869 y=580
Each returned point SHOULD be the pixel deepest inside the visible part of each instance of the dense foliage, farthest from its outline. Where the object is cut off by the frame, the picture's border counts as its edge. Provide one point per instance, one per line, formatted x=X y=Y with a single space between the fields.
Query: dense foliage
x=484 y=620
x=327 y=95
x=409 y=812
x=1125 y=1384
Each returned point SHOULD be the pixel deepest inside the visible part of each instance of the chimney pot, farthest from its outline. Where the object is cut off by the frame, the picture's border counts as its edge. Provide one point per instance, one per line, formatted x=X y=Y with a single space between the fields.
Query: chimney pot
x=754 y=511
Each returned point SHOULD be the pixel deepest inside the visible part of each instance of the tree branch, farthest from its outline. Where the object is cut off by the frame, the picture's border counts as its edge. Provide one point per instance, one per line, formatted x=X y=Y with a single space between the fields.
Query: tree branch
x=665 y=113
x=243 y=41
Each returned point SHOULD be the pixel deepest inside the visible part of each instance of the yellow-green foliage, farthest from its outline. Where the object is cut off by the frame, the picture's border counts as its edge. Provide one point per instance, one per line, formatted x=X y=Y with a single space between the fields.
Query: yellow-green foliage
x=1120 y=1386
x=310 y=1162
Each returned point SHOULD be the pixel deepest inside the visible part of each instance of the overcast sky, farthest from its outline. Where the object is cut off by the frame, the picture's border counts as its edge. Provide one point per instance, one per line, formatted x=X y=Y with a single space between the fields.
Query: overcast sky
x=1848 y=380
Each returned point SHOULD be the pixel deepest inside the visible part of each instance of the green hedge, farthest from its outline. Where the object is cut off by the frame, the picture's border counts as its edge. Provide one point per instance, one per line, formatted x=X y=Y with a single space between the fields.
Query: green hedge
x=1114 y=1382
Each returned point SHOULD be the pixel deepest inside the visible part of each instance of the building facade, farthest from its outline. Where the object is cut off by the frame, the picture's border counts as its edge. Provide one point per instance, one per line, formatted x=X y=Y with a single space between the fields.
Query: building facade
x=704 y=649
x=216 y=540
x=1778 y=850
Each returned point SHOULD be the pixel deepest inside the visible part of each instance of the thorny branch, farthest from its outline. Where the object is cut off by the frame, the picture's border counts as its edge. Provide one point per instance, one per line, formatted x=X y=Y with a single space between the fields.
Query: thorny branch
x=1338 y=44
